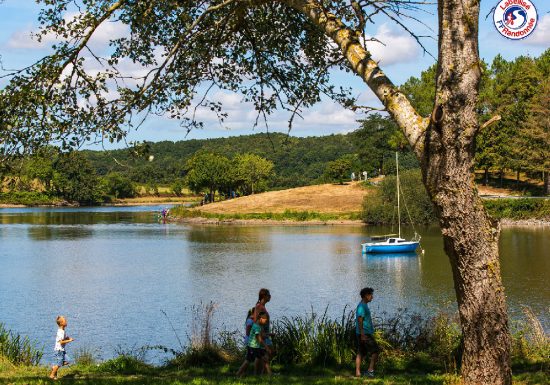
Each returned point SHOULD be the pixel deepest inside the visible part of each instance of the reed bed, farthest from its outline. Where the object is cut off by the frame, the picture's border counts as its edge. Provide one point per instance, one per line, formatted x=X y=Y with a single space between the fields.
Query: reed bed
x=17 y=349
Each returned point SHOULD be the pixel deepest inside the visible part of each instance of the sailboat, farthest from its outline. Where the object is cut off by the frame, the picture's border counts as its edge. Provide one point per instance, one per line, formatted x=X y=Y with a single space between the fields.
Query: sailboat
x=390 y=243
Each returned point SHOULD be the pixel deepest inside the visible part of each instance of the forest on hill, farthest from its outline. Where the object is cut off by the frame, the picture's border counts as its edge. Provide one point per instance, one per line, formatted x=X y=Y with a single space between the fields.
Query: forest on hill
x=297 y=161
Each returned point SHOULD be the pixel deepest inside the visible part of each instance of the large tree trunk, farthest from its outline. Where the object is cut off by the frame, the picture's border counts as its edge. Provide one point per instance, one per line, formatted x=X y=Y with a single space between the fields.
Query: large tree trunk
x=445 y=147
x=470 y=236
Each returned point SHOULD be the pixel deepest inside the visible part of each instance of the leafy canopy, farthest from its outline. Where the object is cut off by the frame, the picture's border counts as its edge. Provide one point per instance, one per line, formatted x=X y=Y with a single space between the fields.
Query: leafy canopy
x=268 y=51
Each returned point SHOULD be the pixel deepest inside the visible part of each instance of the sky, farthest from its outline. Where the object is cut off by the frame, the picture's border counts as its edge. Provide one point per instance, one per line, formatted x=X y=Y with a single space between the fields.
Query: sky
x=400 y=58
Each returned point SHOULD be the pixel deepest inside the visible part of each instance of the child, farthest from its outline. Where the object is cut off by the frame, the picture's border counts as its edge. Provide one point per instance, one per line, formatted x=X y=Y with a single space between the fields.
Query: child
x=257 y=349
x=366 y=344
x=247 y=327
x=61 y=339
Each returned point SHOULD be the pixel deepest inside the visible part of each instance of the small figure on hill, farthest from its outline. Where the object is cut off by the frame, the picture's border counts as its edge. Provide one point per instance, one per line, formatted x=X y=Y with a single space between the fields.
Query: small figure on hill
x=364 y=330
x=352 y=176
x=60 y=353
x=365 y=174
x=257 y=349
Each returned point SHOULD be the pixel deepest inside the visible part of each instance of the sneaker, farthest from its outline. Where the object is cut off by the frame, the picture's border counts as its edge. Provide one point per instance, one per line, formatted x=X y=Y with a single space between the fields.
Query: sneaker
x=369 y=373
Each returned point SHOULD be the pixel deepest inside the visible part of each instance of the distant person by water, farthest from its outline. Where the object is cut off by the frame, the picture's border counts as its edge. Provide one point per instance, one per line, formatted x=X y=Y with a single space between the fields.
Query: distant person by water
x=60 y=352
x=364 y=332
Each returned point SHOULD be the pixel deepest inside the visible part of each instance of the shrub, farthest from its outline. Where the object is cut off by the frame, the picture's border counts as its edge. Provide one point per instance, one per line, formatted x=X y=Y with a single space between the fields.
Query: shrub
x=128 y=361
x=118 y=185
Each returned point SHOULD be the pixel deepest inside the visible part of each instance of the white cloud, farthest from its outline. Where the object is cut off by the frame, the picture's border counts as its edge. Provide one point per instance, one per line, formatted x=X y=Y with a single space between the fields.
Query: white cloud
x=24 y=39
x=541 y=34
x=27 y=38
x=397 y=47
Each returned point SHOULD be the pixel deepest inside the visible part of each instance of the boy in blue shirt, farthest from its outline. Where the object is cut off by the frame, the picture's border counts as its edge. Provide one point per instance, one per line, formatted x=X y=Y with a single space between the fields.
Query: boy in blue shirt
x=364 y=332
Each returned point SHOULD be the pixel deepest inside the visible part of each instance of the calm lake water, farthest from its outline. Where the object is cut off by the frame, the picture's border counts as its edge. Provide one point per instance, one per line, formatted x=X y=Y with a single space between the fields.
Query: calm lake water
x=111 y=270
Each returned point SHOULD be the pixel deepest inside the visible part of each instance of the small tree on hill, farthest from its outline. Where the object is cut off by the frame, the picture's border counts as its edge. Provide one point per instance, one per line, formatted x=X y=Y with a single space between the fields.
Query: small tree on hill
x=339 y=170
x=253 y=172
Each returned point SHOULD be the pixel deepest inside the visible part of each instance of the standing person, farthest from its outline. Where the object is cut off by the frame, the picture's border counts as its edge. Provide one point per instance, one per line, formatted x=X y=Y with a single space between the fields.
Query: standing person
x=60 y=354
x=364 y=332
x=257 y=349
x=264 y=296
x=247 y=327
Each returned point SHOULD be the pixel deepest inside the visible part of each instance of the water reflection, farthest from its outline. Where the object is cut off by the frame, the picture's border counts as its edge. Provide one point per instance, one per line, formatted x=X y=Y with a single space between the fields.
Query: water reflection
x=44 y=233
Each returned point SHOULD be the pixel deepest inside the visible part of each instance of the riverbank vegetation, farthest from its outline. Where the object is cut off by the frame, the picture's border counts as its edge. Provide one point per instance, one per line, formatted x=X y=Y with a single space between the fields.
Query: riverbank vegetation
x=311 y=348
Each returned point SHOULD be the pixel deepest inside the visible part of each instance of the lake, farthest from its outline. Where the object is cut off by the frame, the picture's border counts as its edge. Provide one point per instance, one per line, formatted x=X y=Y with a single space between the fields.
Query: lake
x=112 y=270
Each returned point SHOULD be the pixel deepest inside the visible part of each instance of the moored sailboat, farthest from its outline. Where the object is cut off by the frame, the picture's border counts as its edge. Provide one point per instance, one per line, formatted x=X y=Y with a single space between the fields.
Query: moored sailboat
x=390 y=243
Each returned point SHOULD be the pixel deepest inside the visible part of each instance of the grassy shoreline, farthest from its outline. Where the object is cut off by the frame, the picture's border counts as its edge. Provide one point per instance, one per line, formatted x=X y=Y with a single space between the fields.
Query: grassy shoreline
x=224 y=375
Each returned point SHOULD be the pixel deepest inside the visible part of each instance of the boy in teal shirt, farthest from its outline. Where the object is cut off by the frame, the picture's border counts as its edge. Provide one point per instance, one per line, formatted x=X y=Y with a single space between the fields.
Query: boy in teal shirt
x=364 y=331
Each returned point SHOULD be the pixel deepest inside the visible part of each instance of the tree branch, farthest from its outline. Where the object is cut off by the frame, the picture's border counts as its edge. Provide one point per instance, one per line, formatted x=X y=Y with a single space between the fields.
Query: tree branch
x=396 y=103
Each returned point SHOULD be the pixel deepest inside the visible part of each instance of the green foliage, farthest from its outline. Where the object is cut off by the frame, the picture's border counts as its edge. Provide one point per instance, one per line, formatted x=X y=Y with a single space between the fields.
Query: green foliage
x=380 y=207
x=208 y=171
x=253 y=172
x=177 y=187
x=340 y=169
x=296 y=161
x=421 y=92
x=75 y=179
x=17 y=349
x=376 y=142
x=530 y=343
x=118 y=185
x=125 y=364
x=27 y=198
x=315 y=340
x=520 y=208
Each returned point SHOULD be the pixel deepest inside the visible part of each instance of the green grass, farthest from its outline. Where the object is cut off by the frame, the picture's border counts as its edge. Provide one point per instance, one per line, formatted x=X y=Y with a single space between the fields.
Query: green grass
x=225 y=376
x=287 y=215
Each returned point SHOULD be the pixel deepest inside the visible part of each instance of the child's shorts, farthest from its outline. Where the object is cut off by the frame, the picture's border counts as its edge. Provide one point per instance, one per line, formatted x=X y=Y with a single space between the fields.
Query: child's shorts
x=59 y=358
x=253 y=353
x=368 y=347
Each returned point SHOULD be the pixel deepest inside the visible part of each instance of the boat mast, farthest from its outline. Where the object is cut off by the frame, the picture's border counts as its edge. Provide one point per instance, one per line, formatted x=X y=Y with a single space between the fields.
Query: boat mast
x=397 y=182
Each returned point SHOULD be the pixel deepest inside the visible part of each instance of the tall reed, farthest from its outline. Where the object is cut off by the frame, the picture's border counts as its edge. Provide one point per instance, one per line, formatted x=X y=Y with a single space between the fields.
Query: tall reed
x=18 y=349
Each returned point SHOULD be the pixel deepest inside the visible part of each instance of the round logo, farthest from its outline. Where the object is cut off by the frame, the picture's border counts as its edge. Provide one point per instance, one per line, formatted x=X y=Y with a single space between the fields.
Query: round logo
x=515 y=19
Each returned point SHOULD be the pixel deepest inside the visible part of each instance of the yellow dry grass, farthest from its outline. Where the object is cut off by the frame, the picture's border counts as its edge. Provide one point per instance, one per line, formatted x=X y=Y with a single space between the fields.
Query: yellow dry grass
x=325 y=198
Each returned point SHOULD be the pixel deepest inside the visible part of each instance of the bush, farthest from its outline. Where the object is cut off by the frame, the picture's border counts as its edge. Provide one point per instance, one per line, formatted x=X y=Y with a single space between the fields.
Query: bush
x=125 y=364
x=118 y=185
x=27 y=198
x=128 y=361
x=17 y=349
x=177 y=187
